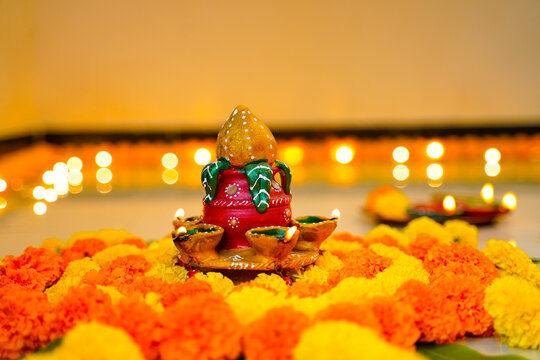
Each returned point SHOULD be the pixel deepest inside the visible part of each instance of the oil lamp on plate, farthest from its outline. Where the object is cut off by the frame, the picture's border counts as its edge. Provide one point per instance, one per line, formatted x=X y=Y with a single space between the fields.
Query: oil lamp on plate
x=247 y=221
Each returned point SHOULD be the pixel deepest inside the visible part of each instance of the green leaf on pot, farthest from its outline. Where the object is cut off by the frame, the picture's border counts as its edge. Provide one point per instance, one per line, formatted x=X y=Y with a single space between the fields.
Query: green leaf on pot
x=285 y=174
x=456 y=351
x=259 y=175
x=209 y=177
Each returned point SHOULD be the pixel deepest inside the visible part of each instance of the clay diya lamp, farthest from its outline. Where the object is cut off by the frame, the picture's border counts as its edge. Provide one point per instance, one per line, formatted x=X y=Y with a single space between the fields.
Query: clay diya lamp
x=273 y=242
x=188 y=223
x=314 y=230
x=199 y=242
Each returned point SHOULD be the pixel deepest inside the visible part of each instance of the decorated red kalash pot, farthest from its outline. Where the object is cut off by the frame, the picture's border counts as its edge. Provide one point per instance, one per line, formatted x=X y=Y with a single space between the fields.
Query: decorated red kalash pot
x=246 y=222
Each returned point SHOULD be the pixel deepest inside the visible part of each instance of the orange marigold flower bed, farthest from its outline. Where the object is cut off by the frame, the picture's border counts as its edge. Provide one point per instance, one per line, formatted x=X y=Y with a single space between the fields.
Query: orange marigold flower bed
x=138 y=242
x=82 y=248
x=398 y=321
x=120 y=272
x=361 y=314
x=420 y=246
x=36 y=268
x=178 y=291
x=360 y=263
x=200 y=327
x=23 y=318
x=275 y=335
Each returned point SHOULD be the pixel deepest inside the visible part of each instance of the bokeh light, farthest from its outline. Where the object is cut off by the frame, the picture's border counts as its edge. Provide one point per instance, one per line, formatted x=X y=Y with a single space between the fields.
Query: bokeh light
x=40 y=208
x=434 y=171
x=169 y=176
x=48 y=177
x=492 y=155
x=39 y=193
x=104 y=188
x=487 y=193
x=293 y=154
x=104 y=175
x=435 y=150
x=3 y=185
x=344 y=154
x=400 y=154
x=492 y=169
x=60 y=171
x=61 y=187
x=449 y=203
x=103 y=158
x=75 y=178
x=509 y=201
x=169 y=161
x=202 y=156
x=50 y=195
x=401 y=172
x=3 y=203
x=74 y=164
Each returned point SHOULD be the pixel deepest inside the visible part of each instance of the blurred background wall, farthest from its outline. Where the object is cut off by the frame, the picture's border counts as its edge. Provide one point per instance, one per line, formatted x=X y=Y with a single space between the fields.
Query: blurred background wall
x=138 y=65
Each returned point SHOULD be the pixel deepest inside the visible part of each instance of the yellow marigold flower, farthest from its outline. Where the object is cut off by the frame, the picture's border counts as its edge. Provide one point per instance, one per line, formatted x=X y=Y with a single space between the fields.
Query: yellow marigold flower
x=389 y=203
x=110 y=236
x=272 y=281
x=252 y=303
x=113 y=292
x=382 y=230
x=313 y=274
x=329 y=262
x=72 y=276
x=153 y=300
x=220 y=284
x=333 y=245
x=329 y=340
x=426 y=226
x=92 y=340
x=113 y=252
x=162 y=251
x=53 y=244
x=310 y=305
x=463 y=232
x=514 y=261
x=168 y=273
x=514 y=305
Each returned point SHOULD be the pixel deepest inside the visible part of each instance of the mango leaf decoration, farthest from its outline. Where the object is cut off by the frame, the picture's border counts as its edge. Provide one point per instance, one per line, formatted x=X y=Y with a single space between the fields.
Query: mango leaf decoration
x=285 y=174
x=259 y=175
x=209 y=177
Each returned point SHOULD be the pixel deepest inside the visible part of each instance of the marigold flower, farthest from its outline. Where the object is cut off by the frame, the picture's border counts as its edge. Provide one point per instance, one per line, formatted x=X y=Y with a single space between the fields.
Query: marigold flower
x=463 y=232
x=397 y=320
x=345 y=340
x=82 y=248
x=360 y=314
x=168 y=273
x=72 y=276
x=513 y=303
x=340 y=246
x=363 y=263
x=200 y=327
x=302 y=289
x=252 y=303
x=389 y=203
x=137 y=242
x=275 y=335
x=347 y=236
x=53 y=244
x=426 y=226
x=36 y=268
x=162 y=251
x=512 y=260
x=219 y=283
x=23 y=316
x=119 y=272
x=114 y=252
x=177 y=291
x=385 y=234
x=420 y=246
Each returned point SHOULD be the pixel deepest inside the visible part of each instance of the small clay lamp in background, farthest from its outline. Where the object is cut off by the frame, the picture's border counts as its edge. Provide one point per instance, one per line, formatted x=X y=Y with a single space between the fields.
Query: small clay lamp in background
x=273 y=242
x=314 y=230
x=180 y=220
x=198 y=242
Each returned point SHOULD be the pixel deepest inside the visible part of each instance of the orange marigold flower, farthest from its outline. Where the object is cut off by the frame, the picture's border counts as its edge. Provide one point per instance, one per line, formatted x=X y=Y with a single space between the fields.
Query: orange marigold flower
x=120 y=272
x=82 y=248
x=363 y=263
x=304 y=289
x=138 y=242
x=200 y=327
x=398 y=321
x=23 y=314
x=141 y=322
x=178 y=291
x=460 y=259
x=274 y=336
x=144 y=285
x=385 y=240
x=361 y=314
x=81 y=304
x=36 y=268
x=420 y=246
x=347 y=236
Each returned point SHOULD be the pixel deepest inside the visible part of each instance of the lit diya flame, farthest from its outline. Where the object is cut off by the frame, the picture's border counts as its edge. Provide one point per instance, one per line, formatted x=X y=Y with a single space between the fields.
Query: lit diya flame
x=449 y=204
x=290 y=233
x=509 y=201
x=181 y=230
x=336 y=214
x=487 y=193
x=179 y=213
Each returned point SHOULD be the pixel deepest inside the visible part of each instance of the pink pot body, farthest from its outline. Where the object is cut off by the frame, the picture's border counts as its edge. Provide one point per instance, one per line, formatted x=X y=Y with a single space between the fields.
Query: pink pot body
x=236 y=213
